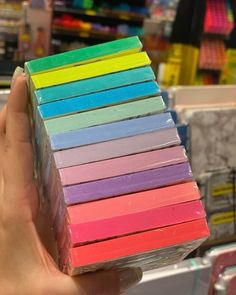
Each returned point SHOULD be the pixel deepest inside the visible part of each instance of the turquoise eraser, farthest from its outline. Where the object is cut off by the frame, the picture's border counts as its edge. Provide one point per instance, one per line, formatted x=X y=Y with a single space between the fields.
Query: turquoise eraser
x=87 y=86
x=98 y=100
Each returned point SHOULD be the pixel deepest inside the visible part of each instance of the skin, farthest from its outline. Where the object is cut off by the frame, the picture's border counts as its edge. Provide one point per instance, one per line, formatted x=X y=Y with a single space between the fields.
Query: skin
x=25 y=264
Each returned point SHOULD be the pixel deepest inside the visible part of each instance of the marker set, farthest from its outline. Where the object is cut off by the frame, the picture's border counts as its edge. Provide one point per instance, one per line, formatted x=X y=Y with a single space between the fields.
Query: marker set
x=110 y=162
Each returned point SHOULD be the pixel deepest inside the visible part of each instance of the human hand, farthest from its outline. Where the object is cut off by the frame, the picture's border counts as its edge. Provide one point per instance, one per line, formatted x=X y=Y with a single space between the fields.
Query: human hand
x=25 y=265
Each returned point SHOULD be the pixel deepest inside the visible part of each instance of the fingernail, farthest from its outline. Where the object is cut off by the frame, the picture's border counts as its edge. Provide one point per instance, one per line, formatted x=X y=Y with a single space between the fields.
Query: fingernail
x=129 y=277
x=18 y=71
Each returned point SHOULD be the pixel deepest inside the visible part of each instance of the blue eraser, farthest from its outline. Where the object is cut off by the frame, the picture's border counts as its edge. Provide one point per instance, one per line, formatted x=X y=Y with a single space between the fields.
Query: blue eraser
x=92 y=85
x=98 y=100
x=111 y=131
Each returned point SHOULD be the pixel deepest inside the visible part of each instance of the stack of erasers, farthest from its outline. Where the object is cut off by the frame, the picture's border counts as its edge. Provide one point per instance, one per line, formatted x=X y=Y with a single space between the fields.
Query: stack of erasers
x=110 y=161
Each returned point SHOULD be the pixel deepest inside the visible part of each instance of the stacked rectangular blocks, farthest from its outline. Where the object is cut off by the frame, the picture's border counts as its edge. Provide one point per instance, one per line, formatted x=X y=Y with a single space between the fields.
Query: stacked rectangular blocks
x=110 y=162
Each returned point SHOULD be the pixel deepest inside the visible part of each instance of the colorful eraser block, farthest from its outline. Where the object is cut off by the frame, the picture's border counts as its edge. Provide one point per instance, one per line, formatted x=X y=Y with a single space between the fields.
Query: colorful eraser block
x=108 y=150
x=111 y=131
x=125 y=184
x=84 y=55
x=122 y=165
x=115 y=186
x=140 y=249
x=93 y=85
x=98 y=100
x=87 y=232
x=110 y=114
x=91 y=70
x=117 y=148
x=137 y=202
x=132 y=203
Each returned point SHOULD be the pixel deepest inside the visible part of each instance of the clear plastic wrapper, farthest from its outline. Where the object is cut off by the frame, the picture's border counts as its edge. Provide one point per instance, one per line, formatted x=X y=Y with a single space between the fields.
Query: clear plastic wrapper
x=109 y=152
x=149 y=249
x=116 y=186
x=78 y=88
x=100 y=99
x=82 y=232
x=122 y=165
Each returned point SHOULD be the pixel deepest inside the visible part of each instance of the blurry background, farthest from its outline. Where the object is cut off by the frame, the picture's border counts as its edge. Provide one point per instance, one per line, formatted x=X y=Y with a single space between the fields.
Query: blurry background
x=190 y=42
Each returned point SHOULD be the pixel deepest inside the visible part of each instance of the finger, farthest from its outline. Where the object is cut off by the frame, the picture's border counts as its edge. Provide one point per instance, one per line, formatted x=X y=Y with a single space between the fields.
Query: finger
x=18 y=72
x=3 y=116
x=17 y=121
x=103 y=283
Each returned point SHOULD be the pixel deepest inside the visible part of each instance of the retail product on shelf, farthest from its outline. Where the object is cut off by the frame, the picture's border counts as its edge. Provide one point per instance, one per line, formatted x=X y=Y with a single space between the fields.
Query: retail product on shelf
x=202 y=34
x=218 y=24
x=202 y=96
x=209 y=130
x=215 y=273
x=218 y=18
x=72 y=25
x=35 y=30
x=81 y=23
x=212 y=54
x=220 y=257
x=219 y=190
x=222 y=224
x=228 y=75
x=226 y=284
x=115 y=146
x=220 y=203
x=10 y=15
x=210 y=113
x=157 y=29
x=189 y=277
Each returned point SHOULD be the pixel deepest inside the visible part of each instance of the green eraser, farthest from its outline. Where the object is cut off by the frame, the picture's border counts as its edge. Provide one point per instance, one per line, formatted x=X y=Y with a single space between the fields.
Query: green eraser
x=90 y=70
x=153 y=105
x=84 y=55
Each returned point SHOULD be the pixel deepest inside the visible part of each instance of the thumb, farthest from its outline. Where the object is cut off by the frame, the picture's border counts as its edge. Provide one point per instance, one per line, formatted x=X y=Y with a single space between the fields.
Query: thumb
x=101 y=283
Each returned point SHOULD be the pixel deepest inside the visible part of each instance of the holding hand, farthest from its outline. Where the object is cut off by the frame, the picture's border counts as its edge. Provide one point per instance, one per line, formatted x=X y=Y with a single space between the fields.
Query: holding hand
x=25 y=265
